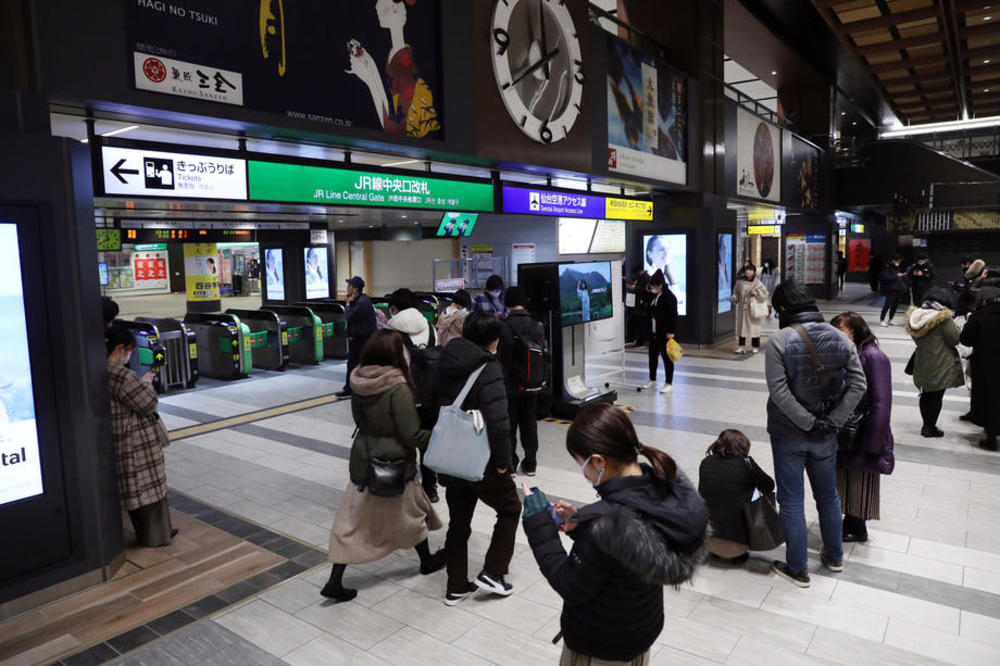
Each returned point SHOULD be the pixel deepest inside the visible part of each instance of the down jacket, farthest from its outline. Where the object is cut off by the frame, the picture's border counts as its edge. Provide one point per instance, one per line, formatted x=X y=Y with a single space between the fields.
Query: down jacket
x=875 y=454
x=936 y=365
x=644 y=533
x=982 y=333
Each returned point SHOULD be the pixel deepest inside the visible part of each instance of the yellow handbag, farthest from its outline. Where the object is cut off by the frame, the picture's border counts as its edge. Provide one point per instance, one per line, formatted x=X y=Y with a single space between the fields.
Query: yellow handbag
x=674 y=350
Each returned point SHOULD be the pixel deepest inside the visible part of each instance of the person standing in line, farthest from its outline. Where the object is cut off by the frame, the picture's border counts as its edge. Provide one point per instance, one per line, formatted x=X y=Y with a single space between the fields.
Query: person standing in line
x=361 y=324
x=874 y=272
x=770 y=276
x=648 y=530
x=748 y=288
x=109 y=310
x=372 y=522
x=637 y=313
x=972 y=271
x=982 y=333
x=139 y=437
x=727 y=479
x=492 y=299
x=463 y=356
x=805 y=411
x=937 y=366
x=662 y=323
x=841 y=269
x=450 y=322
x=891 y=284
x=921 y=278
x=518 y=335
x=859 y=470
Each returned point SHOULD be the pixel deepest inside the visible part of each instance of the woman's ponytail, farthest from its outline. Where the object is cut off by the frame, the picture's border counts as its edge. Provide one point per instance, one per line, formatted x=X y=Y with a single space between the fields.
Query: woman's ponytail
x=606 y=430
x=662 y=463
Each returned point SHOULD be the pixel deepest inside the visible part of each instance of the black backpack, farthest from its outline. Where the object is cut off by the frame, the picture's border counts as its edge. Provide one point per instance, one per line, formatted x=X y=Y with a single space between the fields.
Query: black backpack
x=530 y=360
x=423 y=369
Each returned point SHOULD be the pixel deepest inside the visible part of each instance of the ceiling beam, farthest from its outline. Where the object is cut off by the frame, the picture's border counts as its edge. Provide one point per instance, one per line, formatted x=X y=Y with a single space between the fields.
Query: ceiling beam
x=937 y=105
x=908 y=63
x=955 y=48
x=923 y=77
x=982 y=30
x=898 y=44
x=894 y=19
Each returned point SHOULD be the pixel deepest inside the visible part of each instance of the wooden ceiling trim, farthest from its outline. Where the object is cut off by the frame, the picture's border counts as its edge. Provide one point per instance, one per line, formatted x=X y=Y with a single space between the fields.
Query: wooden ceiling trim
x=932 y=39
x=895 y=19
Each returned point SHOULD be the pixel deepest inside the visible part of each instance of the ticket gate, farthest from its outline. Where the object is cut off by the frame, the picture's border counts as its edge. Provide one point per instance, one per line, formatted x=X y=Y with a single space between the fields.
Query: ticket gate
x=429 y=307
x=268 y=339
x=180 y=367
x=223 y=344
x=306 y=332
x=332 y=314
x=149 y=355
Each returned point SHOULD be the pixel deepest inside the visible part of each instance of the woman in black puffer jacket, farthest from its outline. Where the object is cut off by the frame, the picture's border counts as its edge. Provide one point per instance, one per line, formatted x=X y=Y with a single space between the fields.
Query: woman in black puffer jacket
x=648 y=530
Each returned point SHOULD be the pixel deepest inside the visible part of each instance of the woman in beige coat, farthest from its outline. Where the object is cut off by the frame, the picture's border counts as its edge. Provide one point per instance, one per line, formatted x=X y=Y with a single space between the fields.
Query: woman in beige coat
x=453 y=318
x=749 y=288
x=139 y=437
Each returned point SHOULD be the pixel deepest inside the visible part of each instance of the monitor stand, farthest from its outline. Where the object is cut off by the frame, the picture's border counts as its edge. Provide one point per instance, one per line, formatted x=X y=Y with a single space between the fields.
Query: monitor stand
x=570 y=375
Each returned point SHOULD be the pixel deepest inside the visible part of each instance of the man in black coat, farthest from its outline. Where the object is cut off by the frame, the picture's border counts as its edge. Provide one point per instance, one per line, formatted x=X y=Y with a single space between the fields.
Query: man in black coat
x=662 y=325
x=921 y=278
x=982 y=333
x=891 y=285
x=361 y=325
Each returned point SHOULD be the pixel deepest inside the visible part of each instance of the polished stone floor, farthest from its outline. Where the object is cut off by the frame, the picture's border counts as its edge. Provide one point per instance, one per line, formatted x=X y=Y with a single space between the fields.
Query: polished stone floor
x=924 y=589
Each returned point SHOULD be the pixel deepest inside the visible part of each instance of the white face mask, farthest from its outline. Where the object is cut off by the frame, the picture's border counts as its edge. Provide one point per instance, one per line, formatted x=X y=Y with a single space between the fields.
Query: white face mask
x=583 y=470
x=496 y=294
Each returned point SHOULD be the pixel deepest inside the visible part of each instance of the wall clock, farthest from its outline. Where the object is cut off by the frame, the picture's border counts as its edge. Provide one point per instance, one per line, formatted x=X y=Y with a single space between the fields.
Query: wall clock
x=538 y=66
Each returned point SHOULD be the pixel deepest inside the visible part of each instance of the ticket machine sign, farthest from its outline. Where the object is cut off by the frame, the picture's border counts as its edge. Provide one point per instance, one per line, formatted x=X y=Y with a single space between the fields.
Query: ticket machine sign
x=133 y=171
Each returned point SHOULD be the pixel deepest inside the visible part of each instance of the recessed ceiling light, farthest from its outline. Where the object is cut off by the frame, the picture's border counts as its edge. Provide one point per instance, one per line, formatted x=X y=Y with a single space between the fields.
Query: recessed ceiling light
x=986 y=62
x=855 y=122
x=843 y=113
x=121 y=130
x=340 y=221
x=404 y=217
x=774 y=73
x=987 y=18
x=371 y=226
x=986 y=89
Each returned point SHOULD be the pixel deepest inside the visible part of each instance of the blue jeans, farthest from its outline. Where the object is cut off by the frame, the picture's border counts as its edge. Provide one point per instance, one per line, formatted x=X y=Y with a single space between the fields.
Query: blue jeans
x=818 y=459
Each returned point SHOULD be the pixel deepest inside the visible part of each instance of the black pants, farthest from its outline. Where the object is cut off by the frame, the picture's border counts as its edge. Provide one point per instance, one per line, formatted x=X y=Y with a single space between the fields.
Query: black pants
x=497 y=492
x=657 y=350
x=891 y=303
x=930 y=407
x=522 y=408
x=755 y=342
x=354 y=347
x=840 y=280
x=919 y=291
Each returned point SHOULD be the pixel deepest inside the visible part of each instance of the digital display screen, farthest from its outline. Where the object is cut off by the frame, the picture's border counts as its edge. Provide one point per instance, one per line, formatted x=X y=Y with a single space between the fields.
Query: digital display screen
x=20 y=466
x=274 y=271
x=317 y=272
x=457 y=225
x=575 y=235
x=585 y=292
x=668 y=253
x=102 y=272
x=724 y=261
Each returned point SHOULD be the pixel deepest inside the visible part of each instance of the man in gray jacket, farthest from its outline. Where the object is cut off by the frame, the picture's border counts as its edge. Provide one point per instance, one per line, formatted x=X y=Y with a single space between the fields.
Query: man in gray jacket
x=806 y=409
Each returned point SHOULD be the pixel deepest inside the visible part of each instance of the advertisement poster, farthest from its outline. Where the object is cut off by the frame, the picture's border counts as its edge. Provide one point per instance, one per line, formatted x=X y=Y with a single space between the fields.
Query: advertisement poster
x=482 y=256
x=150 y=269
x=201 y=271
x=803 y=175
x=795 y=257
x=20 y=466
x=724 y=262
x=274 y=271
x=859 y=253
x=521 y=253
x=338 y=63
x=815 y=258
x=758 y=157
x=317 y=272
x=668 y=253
x=647 y=116
x=585 y=292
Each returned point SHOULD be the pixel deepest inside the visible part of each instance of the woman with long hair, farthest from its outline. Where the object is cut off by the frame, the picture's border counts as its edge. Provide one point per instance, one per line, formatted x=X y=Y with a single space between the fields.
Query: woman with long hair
x=648 y=530
x=748 y=288
x=384 y=507
x=859 y=470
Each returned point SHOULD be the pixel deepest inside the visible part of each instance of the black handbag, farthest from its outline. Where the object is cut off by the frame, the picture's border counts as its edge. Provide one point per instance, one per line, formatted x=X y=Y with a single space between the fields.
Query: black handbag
x=763 y=523
x=386 y=478
x=911 y=363
x=849 y=436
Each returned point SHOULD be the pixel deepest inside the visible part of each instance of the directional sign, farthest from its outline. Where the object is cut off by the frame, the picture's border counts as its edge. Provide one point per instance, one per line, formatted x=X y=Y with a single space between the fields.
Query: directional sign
x=132 y=171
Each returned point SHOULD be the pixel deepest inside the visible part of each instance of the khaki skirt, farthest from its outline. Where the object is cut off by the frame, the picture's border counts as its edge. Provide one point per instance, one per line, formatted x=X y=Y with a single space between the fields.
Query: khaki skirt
x=367 y=528
x=860 y=492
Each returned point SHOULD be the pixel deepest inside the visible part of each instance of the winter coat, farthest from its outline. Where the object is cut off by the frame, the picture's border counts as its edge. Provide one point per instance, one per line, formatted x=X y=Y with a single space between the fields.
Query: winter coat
x=875 y=453
x=644 y=533
x=518 y=324
x=489 y=395
x=385 y=412
x=727 y=484
x=921 y=283
x=450 y=326
x=889 y=281
x=360 y=317
x=797 y=395
x=743 y=291
x=663 y=313
x=982 y=333
x=412 y=323
x=486 y=303
x=936 y=364
x=139 y=437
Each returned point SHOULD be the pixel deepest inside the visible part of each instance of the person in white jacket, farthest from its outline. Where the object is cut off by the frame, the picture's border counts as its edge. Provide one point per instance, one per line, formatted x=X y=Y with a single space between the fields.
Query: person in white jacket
x=408 y=320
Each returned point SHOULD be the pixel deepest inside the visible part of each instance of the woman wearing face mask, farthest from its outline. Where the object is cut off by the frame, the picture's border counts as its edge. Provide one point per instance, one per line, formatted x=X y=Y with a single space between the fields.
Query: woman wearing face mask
x=648 y=530
x=662 y=322
x=492 y=300
x=453 y=318
x=748 y=288
x=140 y=437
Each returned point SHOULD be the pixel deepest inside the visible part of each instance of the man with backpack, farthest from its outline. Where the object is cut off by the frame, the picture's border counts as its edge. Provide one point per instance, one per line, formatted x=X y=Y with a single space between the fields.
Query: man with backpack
x=815 y=379
x=524 y=354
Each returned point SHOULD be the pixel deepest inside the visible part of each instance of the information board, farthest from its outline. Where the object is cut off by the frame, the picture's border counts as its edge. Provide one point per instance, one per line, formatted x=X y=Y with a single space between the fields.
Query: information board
x=154 y=173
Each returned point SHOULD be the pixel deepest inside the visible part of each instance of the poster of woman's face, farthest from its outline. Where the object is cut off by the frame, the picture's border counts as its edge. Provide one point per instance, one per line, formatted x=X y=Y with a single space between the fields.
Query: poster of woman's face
x=317 y=274
x=274 y=269
x=668 y=253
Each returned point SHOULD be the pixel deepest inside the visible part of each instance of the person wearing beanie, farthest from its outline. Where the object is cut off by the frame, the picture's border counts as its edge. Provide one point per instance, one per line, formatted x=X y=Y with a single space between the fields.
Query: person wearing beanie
x=965 y=300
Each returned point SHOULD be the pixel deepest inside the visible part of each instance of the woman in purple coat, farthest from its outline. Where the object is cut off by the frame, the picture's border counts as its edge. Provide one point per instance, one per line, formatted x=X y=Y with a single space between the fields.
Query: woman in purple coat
x=858 y=471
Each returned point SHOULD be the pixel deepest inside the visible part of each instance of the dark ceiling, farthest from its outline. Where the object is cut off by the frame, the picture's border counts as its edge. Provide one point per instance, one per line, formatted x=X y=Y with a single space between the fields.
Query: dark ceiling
x=933 y=60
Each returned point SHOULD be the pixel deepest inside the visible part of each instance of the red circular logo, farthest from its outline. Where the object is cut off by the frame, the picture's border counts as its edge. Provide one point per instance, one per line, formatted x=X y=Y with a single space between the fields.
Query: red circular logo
x=155 y=70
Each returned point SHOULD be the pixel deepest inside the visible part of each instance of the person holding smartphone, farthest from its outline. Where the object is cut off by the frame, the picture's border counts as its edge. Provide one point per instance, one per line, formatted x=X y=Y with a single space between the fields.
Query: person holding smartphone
x=648 y=530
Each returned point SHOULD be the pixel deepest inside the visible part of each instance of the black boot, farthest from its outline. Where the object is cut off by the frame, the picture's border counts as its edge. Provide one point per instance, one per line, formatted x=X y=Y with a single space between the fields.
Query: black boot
x=989 y=444
x=334 y=588
x=854 y=529
x=429 y=563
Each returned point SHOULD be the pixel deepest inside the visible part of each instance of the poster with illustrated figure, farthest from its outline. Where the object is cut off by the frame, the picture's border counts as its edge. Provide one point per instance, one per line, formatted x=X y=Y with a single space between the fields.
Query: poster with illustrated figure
x=20 y=466
x=370 y=64
x=758 y=157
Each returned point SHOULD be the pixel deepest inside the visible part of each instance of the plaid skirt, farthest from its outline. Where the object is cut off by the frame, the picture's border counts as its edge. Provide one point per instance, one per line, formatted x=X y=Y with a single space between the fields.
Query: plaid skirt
x=570 y=658
x=859 y=493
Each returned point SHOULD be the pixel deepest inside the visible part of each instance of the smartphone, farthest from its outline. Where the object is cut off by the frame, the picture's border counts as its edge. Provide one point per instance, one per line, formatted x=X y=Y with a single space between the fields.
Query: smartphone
x=556 y=518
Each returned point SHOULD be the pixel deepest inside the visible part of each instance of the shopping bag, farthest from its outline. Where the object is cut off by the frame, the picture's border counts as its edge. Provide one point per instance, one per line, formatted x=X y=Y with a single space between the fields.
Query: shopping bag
x=763 y=523
x=459 y=445
x=674 y=350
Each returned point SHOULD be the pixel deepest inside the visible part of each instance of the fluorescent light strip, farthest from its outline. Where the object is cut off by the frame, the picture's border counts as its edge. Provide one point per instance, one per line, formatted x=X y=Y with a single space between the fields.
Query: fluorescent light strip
x=931 y=128
x=121 y=130
x=396 y=164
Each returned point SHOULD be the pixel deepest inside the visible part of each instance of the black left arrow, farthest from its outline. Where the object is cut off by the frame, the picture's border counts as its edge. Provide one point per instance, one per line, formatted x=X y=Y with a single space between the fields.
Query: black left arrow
x=117 y=170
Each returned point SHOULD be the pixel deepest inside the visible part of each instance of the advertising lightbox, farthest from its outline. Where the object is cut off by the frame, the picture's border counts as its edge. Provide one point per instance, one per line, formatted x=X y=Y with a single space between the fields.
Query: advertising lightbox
x=668 y=253
x=317 y=272
x=274 y=272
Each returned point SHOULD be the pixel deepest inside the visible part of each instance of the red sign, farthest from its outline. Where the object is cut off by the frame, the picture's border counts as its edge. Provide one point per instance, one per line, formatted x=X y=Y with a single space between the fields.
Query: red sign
x=859 y=252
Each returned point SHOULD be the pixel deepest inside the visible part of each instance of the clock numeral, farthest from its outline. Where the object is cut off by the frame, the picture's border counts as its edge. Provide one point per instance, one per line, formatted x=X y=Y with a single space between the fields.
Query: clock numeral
x=544 y=133
x=579 y=71
x=524 y=119
x=502 y=39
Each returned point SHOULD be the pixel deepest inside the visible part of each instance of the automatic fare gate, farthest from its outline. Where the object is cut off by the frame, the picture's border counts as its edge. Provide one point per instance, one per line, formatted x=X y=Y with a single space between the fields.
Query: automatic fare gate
x=223 y=344
x=306 y=332
x=180 y=365
x=268 y=338
x=332 y=314
x=149 y=354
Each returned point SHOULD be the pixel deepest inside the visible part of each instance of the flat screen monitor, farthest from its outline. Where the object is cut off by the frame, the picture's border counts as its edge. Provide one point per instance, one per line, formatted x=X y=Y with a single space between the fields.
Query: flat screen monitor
x=457 y=225
x=724 y=264
x=668 y=253
x=585 y=292
x=102 y=272
x=274 y=271
x=317 y=272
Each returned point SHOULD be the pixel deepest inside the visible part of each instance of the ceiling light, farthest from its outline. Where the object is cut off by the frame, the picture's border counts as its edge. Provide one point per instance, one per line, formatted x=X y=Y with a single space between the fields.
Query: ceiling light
x=931 y=128
x=84 y=140
x=404 y=162
x=987 y=18
x=986 y=89
x=843 y=113
x=404 y=217
x=774 y=73
x=855 y=122
x=121 y=130
x=986 y=62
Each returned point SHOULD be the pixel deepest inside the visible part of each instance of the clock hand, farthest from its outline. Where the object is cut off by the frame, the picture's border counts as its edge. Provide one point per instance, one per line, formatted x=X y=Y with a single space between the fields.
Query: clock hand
x=545 y=43
x=547 y=57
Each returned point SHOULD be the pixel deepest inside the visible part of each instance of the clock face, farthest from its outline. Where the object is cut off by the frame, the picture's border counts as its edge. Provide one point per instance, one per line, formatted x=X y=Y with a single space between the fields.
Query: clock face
x=538 y=66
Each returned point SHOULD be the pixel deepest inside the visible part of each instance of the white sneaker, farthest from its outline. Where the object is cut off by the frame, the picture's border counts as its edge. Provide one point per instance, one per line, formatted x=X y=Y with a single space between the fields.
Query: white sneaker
x=755 y=350
x=884 y=323
x=651 y=384
x=740 y=351
x=667 y=388
x=892 y=323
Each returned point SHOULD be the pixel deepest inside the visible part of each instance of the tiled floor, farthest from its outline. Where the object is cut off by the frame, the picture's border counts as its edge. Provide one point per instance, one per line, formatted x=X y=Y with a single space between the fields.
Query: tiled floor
x=925 y=589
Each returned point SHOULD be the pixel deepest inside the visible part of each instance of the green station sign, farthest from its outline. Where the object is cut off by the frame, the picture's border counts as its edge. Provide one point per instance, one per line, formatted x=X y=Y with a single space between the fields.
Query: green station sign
x=273 y=181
